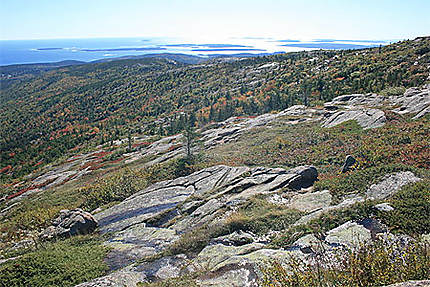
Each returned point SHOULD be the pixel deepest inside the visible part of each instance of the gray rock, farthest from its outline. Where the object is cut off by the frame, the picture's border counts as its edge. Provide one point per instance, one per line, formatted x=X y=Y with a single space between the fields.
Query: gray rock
x=141 y=207
x=354 y=234
x=130 y=276
x=121 y=278
x=384 y=207
x=305 y=177
x=237 y=266
x=213 y=255
x=349 y=162
x=423 y=112
x=414 y=100
x=178 y=206
x=69 y=223
x=372 y=100
x=231 y=276
x=366 y=118
x=315 y=214
x=163 y=268
x=253 y=261
x=349 y=234
x=137 y=242
x=310 y=202
x=232 y=128
x=390 y=184
x=310 y=244
x=236 y=238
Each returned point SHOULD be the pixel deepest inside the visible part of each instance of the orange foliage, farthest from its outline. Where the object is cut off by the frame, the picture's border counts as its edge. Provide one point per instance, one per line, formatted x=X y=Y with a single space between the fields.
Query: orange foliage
x=5 y=169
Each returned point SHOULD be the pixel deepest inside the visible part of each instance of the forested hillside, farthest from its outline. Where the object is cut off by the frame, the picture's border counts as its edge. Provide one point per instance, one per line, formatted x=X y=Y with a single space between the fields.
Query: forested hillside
x=299 y=169
x=48 y=113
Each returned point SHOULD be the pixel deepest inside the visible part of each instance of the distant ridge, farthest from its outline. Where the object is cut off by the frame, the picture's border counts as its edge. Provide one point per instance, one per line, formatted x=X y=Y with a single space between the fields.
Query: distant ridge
x=183 y=58
x=34 y=68
x=50 y=64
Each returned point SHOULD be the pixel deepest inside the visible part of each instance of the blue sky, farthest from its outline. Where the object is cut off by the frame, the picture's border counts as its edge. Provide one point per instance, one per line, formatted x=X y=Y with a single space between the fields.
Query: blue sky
x=215 y=19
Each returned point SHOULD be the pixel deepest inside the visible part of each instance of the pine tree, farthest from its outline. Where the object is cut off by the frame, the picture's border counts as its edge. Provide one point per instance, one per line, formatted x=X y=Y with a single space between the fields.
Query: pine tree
x=161 y=130
x=190 y=136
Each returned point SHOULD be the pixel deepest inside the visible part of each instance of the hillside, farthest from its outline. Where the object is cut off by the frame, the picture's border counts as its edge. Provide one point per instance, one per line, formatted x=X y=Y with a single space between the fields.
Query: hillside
x=303 y=169
x=50 y=113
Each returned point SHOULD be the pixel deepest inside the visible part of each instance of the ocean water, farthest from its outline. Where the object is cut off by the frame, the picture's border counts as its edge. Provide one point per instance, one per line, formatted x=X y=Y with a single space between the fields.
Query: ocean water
x=55 y=50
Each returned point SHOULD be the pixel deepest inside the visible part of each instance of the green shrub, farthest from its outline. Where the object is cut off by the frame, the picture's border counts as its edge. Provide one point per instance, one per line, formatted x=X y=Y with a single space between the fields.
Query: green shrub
x=28 y=216
x=183 y=281
x=114 y=188
x=260 y=216
x=63 y=263
x=411 y=214
x=358 y=180
x=392 y=91
x=194 y=241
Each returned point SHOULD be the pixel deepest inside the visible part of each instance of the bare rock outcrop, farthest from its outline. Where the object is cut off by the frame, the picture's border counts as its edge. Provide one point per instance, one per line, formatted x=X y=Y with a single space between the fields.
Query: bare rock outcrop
x=414 y=100
x=365 y=117
x=70 y=223
x=150 y=221
x=366 y=108
x=390 y=184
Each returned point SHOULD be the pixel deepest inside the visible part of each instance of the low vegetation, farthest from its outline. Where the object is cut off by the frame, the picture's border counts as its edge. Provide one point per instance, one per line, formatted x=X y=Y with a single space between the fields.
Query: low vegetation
x=260 y=216
x=375 y=264
x=183 y=281
x=411 y=210
x=359 y=180
x=410 y=215
x=63 y=263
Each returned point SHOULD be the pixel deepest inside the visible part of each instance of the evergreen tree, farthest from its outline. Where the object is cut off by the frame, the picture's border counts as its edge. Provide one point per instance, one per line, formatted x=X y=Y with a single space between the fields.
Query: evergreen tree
x=190 y=140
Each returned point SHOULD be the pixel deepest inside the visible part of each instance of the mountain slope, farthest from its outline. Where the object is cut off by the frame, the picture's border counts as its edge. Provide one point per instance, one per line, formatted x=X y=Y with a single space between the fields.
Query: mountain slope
x=76 y=105
x=331 y=188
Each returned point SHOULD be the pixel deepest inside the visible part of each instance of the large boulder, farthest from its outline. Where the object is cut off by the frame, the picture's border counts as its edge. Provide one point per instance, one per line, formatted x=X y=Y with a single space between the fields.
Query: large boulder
x=353 y=234
x=231 y=266
x=350 y=234
x=350 y=161
x=305 y=177
x=70 y=223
